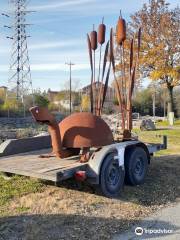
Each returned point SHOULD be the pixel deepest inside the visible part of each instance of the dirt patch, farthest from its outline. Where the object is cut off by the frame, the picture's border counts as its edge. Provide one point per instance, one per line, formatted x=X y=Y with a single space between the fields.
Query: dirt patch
x=78 y=212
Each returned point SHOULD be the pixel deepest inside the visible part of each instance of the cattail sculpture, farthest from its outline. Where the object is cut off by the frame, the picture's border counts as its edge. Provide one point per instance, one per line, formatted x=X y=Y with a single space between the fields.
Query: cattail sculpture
x=93 y=36
x=101 y=41
x=121 y=30
x=128 y=61
x=98 y=87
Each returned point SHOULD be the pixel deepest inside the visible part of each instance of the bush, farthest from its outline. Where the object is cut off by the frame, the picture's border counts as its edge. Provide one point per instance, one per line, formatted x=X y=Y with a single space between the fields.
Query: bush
x=41 y=101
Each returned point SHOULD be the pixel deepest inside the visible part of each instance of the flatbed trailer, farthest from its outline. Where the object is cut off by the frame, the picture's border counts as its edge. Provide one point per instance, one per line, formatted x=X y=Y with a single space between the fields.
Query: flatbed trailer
x=108 y=167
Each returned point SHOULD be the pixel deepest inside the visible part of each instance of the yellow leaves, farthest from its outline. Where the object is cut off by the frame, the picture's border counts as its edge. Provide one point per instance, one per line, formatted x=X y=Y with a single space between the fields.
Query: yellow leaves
x=85 y=104
x=156 y=75
x=167 y=72
x=2 y=94
x=11 y=104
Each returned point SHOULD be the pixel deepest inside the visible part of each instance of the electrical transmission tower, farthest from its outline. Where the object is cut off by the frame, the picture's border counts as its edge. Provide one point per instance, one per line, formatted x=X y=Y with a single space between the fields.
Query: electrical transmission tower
x=19 y=82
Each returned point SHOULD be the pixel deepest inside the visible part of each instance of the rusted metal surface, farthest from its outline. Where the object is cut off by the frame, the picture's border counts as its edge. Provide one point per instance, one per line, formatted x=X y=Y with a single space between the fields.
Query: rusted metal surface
x=84 y=130
x=93 y=36
x=99 y=85
x=79 y=130
x=92 y=72
x=43 y=116
x=101 y=33
x=127 y=59
x=121 y=31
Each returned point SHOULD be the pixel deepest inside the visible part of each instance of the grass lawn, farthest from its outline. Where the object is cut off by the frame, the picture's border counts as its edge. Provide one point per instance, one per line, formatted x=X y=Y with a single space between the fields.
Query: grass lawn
x=156 y=136
x=166 y=123
x=15 y=187
x=31 y=210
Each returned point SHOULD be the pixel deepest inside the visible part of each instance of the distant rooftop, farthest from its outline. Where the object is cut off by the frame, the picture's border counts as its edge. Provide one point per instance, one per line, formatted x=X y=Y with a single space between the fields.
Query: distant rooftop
x=3 y=87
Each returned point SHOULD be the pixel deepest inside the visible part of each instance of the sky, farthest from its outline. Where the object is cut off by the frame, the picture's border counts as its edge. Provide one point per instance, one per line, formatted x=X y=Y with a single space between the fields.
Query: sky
x=58 y=35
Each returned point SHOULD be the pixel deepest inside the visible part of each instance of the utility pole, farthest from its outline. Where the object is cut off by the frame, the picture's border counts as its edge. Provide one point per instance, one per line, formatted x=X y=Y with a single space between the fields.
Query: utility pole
x=19 y=82
x=154 y=105
x=70 y=64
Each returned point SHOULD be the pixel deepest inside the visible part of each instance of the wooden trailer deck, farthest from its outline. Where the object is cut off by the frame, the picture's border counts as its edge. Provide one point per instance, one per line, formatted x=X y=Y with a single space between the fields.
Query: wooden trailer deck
x=53 y=169
x=29 y=164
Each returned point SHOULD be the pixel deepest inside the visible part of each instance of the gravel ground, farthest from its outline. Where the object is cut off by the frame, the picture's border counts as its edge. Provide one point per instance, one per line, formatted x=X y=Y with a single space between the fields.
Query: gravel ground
x=78 y=212
x=75 y=211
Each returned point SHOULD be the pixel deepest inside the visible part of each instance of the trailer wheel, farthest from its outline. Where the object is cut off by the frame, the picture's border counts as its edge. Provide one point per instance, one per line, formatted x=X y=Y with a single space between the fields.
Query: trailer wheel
x=136 y=164
x=111 y=177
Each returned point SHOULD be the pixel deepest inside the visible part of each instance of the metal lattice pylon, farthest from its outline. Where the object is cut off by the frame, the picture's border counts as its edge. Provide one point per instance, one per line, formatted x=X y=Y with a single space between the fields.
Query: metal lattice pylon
x=19 y=82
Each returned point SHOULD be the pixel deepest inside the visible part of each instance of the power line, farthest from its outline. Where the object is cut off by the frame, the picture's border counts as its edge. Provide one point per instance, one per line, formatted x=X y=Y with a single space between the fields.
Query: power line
x=19 y=82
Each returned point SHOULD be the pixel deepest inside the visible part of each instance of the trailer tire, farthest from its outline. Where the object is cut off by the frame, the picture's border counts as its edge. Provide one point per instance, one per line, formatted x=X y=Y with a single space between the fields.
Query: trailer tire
x=136 y=165
x=111 y=177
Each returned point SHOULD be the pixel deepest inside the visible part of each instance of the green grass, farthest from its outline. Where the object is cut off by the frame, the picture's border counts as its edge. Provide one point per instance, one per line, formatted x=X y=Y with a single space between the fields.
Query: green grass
x=166 y=123
x=154 y=137
x=73 y=211
x=17 y=186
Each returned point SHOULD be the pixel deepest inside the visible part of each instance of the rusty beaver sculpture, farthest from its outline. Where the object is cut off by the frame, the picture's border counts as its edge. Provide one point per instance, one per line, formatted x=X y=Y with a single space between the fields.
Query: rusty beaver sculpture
x=77 y=131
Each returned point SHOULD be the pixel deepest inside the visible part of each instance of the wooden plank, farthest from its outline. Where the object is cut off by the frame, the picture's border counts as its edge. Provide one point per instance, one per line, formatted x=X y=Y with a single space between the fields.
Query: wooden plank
x=65 y=166
x=29 y=164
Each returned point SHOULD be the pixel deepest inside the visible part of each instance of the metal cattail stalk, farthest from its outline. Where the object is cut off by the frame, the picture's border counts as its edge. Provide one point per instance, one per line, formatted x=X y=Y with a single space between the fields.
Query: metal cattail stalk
x=120 y=38
x=118 y=89
x=101 y=41
x=93 y=36
x=121 y=30
x=92 y=71
x=102 y=78
x=130 y=85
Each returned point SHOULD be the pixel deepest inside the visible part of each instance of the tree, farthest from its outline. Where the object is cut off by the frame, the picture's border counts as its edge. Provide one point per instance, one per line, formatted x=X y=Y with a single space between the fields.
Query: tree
x=177 y=102
x=41 y=101
x=142 y=102
x=85 y=103
x=160 y=58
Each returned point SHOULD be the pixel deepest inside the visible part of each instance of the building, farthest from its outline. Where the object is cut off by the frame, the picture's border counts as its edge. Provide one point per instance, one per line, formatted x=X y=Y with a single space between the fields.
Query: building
x=110 y=95
x=52 y=95
x=3 y=88
x=60 y=98
x=3 y=91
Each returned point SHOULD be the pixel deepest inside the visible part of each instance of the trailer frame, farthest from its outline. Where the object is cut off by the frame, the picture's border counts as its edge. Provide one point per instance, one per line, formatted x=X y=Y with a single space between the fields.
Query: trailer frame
x=56 y=170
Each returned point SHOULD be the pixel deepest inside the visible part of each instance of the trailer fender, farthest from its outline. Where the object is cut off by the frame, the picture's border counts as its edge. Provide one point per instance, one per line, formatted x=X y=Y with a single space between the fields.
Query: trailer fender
x=96 y=160
x=120 y=156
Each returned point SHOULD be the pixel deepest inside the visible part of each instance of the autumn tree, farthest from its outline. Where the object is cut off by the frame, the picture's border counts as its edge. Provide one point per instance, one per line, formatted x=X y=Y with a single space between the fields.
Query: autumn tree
x=160 y=51
x=85 y=103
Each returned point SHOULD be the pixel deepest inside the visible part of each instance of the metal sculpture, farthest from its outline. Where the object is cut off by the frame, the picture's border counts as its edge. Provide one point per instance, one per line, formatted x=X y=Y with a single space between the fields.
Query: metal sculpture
x=77 y=131
x=98 y=86
x=124 y=84
x=85 y=130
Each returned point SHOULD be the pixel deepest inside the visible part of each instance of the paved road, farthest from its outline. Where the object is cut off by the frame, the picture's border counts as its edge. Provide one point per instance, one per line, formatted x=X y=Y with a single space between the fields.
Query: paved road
x=166 y=223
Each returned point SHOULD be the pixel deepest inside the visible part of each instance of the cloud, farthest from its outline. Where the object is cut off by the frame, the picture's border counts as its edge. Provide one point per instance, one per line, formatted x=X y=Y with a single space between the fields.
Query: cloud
x=91 y=7
x=57 y=44
x=58 y=67
x=77 y=57
x=60 y=5
x=51 y=67
x=48 y=45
